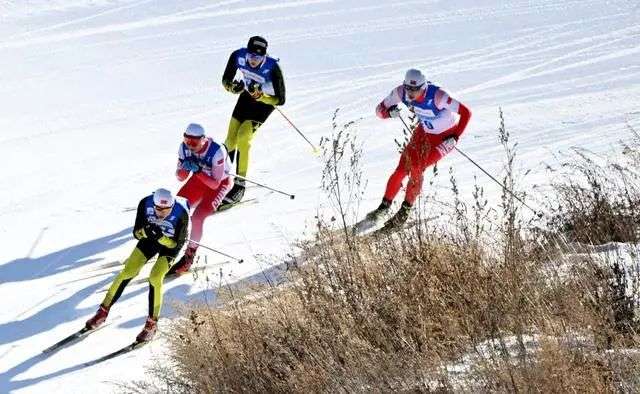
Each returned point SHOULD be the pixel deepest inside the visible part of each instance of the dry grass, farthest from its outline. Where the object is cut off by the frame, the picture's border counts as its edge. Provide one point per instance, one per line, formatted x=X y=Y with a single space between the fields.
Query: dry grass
x=396 y=314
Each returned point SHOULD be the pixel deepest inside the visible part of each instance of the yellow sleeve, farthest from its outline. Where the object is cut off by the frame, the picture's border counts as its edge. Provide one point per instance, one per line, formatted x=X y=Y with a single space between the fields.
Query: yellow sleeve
x=168 y=242
x=271 y=100
x=140 y=234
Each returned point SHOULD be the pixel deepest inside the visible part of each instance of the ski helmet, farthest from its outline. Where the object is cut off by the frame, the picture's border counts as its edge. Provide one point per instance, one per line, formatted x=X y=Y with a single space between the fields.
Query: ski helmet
x=414 y=79
x=257 y=45
x=162 y=198
x=194 y=130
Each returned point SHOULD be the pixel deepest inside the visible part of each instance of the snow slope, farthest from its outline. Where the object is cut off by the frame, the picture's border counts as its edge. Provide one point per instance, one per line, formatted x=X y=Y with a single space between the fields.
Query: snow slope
x=94 y=95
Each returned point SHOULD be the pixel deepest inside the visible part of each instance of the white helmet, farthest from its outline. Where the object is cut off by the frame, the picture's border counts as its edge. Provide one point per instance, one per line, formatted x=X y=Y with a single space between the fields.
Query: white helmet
x=163 y=198
x=194 y=130
x=414 y=79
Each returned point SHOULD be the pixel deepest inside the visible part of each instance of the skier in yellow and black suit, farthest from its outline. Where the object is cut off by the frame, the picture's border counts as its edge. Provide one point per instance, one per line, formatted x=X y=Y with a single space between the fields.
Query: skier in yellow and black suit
x=261 y=89
x=161 y=228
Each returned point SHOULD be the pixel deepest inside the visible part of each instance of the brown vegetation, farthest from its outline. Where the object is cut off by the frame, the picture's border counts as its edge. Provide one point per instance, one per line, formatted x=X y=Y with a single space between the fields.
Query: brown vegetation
x=455 y=305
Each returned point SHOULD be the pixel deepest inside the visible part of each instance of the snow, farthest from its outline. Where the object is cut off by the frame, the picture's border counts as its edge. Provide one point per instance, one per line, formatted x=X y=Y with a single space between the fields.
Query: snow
x=94 y=95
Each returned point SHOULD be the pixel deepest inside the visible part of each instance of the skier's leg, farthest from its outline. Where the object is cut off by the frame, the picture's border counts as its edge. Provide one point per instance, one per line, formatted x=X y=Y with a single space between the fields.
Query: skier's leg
x=131 y=269
x=417 y=155
x=192 y=190
x=156 y=277
x=414 y=186
x=395 y=180
x=416 y=174
x=407 y=158
x=232 y=139
x=201 y=212
x=206 y=208
x=245 y=135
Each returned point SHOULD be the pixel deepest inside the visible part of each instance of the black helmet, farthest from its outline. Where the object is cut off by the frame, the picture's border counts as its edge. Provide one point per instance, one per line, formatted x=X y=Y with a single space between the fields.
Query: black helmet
x=257 y=45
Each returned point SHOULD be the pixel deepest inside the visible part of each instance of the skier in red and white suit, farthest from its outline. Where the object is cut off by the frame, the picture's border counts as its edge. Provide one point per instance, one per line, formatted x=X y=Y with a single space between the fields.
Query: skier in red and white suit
x=441 y=122
x=210 y=181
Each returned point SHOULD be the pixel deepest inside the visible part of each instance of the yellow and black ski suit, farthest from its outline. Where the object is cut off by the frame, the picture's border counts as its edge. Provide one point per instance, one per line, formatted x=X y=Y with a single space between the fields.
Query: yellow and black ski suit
x=249 y=113
x=174 y=234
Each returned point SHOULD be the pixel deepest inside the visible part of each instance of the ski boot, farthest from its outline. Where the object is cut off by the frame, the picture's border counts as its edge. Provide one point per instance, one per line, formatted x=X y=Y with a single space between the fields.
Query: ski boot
x=149 y=330
x=373 y=218
x=398 y=219
x=234 y=196
x=379 y=212
x=185 y=262
x=97 y=319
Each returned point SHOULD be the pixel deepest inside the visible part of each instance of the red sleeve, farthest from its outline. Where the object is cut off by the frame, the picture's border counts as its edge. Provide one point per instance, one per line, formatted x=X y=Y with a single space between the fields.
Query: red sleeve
x=382 y=111
x=465 y=116
x=207 y=180
x=182 y=174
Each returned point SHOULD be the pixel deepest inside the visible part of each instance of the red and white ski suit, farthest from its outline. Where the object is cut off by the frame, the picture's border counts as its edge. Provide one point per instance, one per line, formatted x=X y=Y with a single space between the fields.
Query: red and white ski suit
x=206 y=188
x=430 y=140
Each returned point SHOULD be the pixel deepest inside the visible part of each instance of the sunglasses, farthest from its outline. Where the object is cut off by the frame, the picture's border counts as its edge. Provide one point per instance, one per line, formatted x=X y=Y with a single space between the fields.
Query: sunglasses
x=411 y=88
x=161 y=209
x=254 y=57
x=192 y=141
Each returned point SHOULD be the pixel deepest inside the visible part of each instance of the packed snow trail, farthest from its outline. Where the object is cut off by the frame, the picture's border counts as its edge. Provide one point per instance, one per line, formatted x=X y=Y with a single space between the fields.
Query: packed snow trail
x=95 y=96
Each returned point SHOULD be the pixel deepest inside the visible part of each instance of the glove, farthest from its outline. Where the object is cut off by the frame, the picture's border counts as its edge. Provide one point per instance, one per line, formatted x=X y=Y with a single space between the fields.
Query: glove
x=446 y=146
x=255 y=90
x=236 y=87
x=393 y=111
x=190 y=165
x=153 y=231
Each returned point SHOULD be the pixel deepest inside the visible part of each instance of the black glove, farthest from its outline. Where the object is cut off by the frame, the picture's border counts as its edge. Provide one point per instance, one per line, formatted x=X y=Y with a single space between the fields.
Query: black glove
x=394 y=111
x=237 y=87
x=254 y=89
x=153 y=231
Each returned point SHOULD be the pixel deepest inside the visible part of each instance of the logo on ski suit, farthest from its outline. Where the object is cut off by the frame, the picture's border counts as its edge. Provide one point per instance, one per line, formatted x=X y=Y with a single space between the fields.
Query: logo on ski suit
x=260 y=74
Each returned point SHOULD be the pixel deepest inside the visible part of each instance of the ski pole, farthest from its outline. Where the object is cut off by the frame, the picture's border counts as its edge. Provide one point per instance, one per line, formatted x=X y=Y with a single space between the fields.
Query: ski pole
x=405 y=124
x=315 y=150
x=538 y=214
x=240 y=261
x=291 y=196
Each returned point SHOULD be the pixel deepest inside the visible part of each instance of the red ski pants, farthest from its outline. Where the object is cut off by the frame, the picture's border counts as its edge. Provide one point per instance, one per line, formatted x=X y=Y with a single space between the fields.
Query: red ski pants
x=205 y=201
x=419 y=154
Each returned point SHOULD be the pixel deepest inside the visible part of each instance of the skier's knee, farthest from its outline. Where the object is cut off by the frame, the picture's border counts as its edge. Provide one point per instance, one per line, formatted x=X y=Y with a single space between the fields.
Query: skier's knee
x=232 y=134
x=159 y=270
x=247 y=130
x=134 y=264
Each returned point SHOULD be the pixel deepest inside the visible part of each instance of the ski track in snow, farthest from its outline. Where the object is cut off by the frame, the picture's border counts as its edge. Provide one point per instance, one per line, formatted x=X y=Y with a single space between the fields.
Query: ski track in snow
x=96 y=91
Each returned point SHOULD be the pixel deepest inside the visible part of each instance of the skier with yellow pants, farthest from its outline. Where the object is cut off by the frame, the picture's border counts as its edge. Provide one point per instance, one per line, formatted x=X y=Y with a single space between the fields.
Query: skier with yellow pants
x=161 y=228
x=261 y=89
